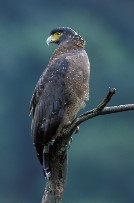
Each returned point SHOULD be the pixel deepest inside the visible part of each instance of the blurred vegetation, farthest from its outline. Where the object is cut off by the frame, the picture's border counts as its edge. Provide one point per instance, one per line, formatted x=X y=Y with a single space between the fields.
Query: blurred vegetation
x=101 y=157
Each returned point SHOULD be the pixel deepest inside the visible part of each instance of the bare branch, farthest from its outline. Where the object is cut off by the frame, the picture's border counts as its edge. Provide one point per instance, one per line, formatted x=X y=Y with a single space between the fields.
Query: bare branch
x=117 y=109
x=92 y=113
x=55 y=184
x=101 y=106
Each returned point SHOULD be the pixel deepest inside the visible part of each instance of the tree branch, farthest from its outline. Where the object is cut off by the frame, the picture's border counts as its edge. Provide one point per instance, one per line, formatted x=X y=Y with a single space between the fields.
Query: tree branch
x=55 y=183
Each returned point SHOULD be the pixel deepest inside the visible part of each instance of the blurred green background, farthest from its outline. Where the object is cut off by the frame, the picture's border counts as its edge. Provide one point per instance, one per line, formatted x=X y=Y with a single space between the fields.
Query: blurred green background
x=101 y=157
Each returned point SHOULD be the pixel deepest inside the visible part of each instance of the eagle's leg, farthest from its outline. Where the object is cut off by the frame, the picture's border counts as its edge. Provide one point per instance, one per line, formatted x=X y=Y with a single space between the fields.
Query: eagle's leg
x=46 y=168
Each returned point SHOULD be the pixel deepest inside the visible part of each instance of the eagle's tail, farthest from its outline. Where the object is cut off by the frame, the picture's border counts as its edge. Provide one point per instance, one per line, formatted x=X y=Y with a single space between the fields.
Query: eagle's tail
x=46 y=166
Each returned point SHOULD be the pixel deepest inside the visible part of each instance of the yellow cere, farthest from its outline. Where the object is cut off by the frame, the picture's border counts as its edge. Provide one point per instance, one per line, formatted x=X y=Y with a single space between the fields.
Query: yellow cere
x=56 y=36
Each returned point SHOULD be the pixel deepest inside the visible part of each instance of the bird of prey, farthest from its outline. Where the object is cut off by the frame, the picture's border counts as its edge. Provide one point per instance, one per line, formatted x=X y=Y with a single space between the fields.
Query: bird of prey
x=60 y=92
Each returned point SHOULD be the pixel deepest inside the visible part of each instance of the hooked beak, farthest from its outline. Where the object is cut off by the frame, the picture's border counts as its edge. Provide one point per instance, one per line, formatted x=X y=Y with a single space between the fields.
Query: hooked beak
x=49 y=40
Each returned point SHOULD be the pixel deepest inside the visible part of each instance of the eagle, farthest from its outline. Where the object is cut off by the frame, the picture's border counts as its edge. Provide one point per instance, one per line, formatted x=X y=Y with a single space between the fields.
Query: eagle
x=60 y=92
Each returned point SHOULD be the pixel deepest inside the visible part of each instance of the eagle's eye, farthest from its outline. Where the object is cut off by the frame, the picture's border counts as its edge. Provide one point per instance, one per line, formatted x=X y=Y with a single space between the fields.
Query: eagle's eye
x=58 y=33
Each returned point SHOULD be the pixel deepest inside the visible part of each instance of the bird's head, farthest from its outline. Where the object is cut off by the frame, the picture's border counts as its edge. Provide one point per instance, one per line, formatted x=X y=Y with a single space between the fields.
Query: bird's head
x=60 y=35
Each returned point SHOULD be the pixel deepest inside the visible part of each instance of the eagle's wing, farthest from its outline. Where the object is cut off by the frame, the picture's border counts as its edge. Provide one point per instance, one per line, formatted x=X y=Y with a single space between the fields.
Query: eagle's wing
x=48 y=104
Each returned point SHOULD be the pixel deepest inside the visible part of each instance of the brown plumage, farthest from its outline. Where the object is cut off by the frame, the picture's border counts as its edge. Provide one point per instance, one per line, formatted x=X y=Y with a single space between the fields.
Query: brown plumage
x=61 y=90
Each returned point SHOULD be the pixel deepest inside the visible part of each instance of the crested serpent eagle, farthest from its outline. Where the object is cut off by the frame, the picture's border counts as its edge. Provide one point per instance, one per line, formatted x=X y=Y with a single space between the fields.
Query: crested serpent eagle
x=60 y=92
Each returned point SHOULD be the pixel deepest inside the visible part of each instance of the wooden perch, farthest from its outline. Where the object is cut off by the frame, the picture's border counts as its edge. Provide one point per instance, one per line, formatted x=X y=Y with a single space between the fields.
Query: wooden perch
x=55 y=183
